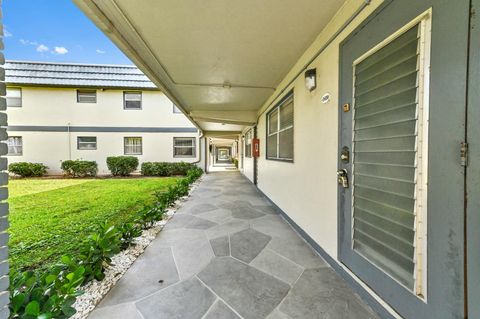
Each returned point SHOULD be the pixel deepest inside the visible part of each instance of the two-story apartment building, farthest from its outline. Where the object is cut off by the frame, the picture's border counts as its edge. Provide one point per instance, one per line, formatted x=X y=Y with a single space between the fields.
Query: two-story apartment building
x=63 y=111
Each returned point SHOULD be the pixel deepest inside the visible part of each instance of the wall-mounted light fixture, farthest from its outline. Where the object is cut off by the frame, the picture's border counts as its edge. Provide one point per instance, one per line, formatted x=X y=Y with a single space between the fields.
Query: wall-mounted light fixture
x=311 y=79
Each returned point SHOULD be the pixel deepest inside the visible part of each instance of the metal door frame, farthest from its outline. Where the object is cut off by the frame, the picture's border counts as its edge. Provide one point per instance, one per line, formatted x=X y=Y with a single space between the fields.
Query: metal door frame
x=472 y=208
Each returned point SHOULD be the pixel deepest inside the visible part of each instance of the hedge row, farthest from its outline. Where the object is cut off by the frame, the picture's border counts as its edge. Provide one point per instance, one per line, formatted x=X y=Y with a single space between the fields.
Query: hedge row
x=52 y=294
x=118 y=166
x=165 y=168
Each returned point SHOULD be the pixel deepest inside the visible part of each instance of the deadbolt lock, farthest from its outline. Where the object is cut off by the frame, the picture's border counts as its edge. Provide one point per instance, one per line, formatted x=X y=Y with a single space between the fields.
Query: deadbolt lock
x=345 y=155
x=342 y=176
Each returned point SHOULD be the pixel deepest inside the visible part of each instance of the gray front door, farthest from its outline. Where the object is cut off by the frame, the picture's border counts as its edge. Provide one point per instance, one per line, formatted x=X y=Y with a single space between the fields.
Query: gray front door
x=401 y=212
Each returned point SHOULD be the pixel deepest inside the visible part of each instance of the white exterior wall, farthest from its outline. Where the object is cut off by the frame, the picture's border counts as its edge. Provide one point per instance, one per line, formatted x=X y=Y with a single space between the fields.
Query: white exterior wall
x=58 y=107
x=306 y=190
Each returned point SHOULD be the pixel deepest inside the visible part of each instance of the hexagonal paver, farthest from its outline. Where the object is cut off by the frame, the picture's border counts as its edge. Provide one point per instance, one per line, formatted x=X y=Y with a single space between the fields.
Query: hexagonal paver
x=247 y=244
x=251 y=292
x=221 y=246
x=221 y=311
x=188 y=299
x=143 y=277
x=321 y=293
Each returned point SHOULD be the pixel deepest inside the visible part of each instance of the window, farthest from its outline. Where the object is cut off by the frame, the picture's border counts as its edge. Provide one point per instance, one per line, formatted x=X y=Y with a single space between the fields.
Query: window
x=87 y=142
x=132 y=100
x=14 y=97
x=86 y=96
x=183 y=146
x=280 y=131
x=248 y=143
x=176 y=109
x=132 y=145
x=15 y=145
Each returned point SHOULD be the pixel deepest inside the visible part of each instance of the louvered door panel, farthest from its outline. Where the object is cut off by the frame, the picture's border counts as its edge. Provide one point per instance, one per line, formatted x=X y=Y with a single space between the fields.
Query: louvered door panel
x=384 y=156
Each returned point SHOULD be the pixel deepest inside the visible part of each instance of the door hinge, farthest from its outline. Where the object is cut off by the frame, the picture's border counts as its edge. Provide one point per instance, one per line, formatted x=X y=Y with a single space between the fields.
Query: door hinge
x=464 y=154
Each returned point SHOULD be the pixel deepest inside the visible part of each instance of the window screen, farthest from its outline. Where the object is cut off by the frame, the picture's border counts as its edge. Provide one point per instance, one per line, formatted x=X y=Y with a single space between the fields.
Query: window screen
x=386 y=139
x=280 y=131
x=86 y=143
x=15 y=145
x=184 y=147
x=133 y=146
x=86 y=96
x=14 y=97
x=132 y=100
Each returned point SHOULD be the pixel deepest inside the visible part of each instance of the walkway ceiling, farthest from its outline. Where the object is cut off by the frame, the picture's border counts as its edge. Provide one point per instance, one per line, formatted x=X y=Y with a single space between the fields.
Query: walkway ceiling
x=218 y=60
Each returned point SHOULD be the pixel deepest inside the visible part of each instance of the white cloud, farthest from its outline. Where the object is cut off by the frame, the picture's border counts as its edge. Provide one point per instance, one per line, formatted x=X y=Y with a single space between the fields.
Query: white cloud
x=99 y=51
x=42 y=48
x=6 y=33
x=60 y=50
x=28 y=42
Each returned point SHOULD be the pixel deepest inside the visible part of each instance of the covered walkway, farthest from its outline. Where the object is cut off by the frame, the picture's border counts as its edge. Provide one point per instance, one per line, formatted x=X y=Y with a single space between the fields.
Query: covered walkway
x=228 y=254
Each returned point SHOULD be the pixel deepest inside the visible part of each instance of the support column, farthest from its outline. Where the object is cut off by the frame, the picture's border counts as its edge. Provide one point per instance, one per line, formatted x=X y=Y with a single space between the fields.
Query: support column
x=4 y=267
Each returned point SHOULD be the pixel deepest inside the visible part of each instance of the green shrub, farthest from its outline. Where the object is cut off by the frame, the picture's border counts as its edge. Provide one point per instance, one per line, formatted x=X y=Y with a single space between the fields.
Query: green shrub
x=235 y=161
x=50 y=295
x=165 y=168
x=181 y=168
x=128 y=232
x=78 y=168
x=156 y=169
x=194 y=174
x=122 y=165
x=26 y=169
x=149 y=215
x=97 y=251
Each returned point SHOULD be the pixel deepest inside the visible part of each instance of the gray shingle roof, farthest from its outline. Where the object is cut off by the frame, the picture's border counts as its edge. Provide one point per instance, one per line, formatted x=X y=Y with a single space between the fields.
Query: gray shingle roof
x=75 y=75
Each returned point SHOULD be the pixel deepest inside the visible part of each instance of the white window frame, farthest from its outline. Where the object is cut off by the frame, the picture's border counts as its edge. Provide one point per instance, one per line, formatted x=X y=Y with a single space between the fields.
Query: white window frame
x=88 y=94
x=126 y=146
x=17 y=147
x=80 y=144
x=126 y=99
x=193 y=147
x=17 y=89
x=424 y=21
x=287 y=98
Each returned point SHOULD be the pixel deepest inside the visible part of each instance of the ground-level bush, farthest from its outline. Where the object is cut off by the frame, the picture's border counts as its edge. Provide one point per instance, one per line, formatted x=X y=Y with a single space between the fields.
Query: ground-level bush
x=79 y=168
x=165 y=168
x=26 y=169
x=122 y=165
x=156 y=169
x=48 y=295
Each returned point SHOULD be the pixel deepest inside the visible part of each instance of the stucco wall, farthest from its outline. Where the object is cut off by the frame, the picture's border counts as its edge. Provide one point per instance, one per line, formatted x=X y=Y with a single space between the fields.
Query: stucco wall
x=51 y=148
x=311 y=196
x=58 y=106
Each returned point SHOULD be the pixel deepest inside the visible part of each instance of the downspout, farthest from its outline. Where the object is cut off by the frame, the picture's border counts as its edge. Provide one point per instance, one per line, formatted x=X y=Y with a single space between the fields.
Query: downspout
x=199 y=149
x=69 y=141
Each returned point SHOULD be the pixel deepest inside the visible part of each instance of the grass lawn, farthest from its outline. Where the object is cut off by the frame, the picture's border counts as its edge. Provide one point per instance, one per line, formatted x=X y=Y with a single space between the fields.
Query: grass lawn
x=50 y=217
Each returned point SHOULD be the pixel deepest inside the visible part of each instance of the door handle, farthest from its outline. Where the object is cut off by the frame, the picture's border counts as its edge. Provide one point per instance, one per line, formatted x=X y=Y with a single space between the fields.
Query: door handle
x=342 y=177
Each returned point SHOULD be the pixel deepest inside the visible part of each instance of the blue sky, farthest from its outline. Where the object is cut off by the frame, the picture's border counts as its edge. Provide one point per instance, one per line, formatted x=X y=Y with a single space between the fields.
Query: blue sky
x=54 y=31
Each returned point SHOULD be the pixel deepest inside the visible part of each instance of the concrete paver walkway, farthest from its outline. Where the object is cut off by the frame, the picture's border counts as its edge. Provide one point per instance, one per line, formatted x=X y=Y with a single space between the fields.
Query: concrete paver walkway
x=228 y=254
